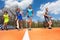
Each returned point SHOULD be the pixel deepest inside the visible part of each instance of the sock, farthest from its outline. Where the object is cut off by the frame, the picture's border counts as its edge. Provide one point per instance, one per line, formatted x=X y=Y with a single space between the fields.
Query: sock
x=49 y=26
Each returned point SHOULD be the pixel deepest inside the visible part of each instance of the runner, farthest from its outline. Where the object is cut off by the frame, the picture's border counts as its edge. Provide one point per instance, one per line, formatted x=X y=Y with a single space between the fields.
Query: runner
x=48 y=18
x=19 y=18
x=6 y=19
x=29 y=15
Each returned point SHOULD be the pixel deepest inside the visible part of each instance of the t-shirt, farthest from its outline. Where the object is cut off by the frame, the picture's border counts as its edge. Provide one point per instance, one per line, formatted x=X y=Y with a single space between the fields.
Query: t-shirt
x=6 y=16
x=19 y=15
x=29 y=12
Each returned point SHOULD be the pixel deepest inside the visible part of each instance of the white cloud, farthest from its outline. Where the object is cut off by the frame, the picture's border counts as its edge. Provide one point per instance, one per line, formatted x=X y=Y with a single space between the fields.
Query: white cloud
x=54 y=8
x=13 y=3
x=54 y=19
x=59 y=18
x=40 y=14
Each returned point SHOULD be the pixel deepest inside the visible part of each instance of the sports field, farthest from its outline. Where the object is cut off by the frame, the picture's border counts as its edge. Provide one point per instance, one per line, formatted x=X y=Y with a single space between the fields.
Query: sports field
x=34 y=34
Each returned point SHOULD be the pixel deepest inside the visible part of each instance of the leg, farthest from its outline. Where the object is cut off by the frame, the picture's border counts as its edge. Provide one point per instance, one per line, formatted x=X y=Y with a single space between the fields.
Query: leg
x=45 y=22
x=50 y=23
x=5 y=26
x=20 y=23
x=30 y=23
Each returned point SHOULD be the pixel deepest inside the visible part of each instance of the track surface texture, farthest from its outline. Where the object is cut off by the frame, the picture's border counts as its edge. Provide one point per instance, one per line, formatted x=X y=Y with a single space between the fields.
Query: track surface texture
x=34 y=34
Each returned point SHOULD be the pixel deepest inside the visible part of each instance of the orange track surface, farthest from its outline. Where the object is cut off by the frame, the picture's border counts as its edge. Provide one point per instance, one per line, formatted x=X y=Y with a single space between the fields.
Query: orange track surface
x=45 y=34
x=34 y=34
x=11 y=34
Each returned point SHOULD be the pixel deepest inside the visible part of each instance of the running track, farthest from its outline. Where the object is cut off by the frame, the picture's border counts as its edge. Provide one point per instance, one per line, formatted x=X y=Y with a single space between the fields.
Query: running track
x=34 y=34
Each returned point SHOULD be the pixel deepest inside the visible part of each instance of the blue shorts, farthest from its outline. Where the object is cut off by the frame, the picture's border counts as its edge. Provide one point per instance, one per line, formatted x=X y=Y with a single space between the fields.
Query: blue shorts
x=19 y=17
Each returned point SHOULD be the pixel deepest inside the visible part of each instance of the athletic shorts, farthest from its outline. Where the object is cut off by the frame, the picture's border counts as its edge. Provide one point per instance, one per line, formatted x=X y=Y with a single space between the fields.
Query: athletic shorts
x=47 y=19
x=6 y=20
x=19 y=17
x=29 y=16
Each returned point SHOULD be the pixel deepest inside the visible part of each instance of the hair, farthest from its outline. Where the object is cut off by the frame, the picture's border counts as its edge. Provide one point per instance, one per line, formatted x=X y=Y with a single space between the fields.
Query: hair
x=47 y=9
x=17 y=9
x=5 y=12
x=29 y=6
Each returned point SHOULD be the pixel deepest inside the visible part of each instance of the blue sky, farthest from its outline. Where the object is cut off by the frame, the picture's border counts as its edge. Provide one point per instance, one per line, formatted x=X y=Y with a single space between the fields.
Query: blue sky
x=36 y=6
x=2 y=3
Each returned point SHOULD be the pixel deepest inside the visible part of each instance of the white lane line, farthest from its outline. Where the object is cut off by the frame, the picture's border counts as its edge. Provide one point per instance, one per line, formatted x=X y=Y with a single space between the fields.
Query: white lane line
x=26 y=35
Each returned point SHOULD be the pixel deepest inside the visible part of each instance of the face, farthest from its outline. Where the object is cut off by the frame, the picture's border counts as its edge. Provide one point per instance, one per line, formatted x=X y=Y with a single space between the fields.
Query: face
x=18 y=10
x=5 y=12
x=30 y=7
x=47 y=9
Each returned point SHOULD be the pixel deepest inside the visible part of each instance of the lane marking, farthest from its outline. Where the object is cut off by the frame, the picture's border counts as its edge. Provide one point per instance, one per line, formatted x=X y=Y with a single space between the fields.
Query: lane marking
x=26 y=35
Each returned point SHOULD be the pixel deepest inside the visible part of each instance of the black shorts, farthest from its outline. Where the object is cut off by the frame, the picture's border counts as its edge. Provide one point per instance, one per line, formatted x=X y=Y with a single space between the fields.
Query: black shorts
x=47 y=19
x=29 y=16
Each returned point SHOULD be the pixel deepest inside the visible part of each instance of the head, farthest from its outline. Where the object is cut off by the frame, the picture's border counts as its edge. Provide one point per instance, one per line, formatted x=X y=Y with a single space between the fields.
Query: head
x=46 y=9
x=5 y=12
x=30 y=6
x=18 y=9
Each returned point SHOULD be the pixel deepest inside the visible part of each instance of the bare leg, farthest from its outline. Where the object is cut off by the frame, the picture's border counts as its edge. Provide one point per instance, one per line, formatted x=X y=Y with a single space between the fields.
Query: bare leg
x=30 y=23
x=20 y=23
x=50 y=23
x=5 y=26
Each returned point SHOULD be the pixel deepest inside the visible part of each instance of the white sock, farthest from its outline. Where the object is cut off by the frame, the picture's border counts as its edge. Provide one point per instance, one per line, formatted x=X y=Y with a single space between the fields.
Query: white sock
x=50 y=26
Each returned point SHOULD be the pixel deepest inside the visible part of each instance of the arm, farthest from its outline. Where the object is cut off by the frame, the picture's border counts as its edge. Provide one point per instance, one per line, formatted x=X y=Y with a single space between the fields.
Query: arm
x=46 y=15
x=21 y=13
x=3 y=15
x=27 y=13
x=16 y=16
x=9 y=16
x=32 y=13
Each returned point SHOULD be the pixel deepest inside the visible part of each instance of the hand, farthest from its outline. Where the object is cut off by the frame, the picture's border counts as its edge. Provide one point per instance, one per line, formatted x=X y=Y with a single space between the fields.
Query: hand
x=32 y=15
x=15 y=19
x=50 y=17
